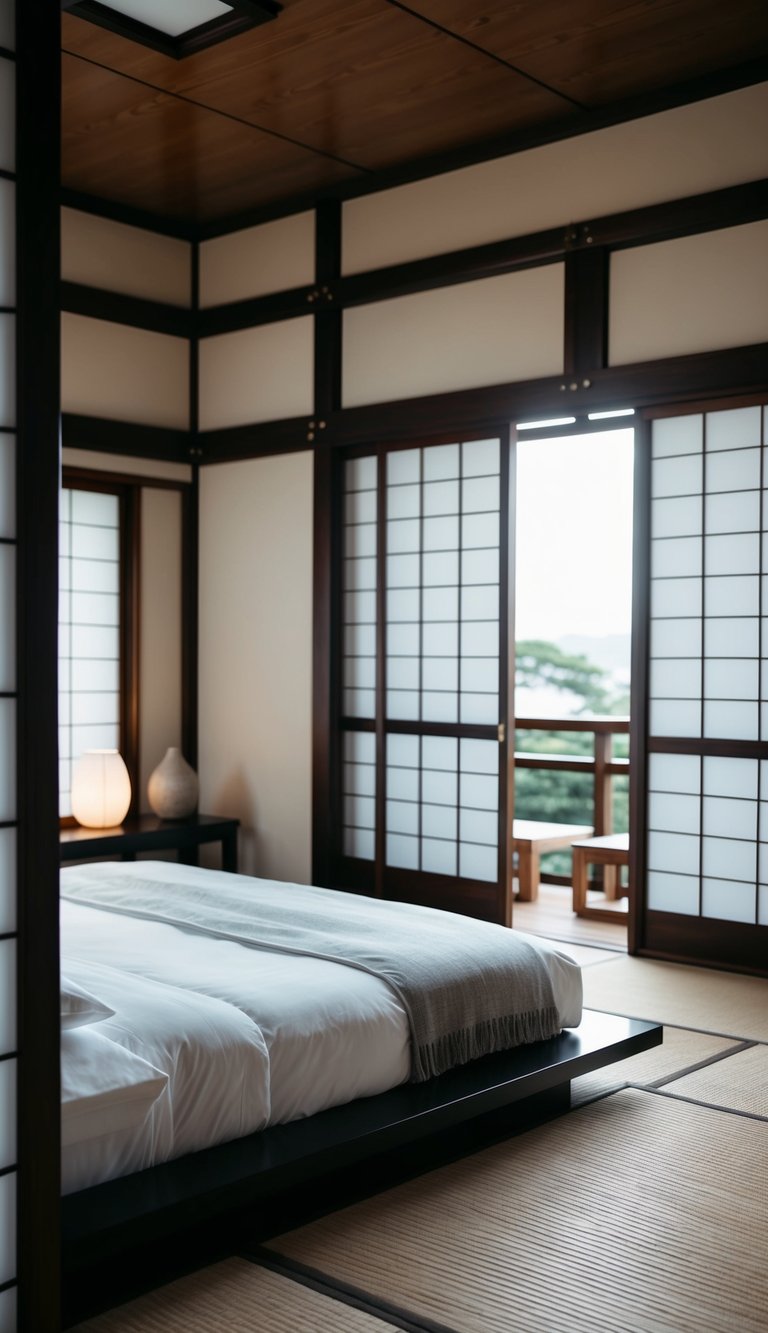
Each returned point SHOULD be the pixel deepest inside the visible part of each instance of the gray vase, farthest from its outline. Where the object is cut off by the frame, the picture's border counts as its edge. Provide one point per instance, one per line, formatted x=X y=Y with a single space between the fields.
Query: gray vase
x=173 y=788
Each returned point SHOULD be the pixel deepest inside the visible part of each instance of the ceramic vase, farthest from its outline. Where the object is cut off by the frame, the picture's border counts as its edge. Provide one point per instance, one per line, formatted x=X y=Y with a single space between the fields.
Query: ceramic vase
x=173 y=787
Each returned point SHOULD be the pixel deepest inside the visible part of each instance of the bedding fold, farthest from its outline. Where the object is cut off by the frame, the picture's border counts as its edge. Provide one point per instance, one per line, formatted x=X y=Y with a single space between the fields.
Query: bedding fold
x=469 y=988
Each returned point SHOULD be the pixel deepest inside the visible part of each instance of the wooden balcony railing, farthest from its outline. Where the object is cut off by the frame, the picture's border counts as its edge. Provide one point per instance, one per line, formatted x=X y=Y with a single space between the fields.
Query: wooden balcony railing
x=602 y=763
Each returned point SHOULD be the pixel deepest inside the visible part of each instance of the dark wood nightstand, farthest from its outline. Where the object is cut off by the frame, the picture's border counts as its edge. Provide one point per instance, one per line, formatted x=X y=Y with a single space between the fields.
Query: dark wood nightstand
x=147 y=833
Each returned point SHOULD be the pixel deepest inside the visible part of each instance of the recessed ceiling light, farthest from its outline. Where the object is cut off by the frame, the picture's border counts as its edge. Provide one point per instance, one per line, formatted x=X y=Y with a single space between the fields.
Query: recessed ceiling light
x=177 y=29
x=537 y=425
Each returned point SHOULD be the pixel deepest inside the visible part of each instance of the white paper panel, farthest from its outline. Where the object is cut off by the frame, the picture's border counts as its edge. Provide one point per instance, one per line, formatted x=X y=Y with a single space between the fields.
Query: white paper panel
x=676 y=557
x=694 y=294
x=439 y=821
x=7 y=881
x=438 y=858
x=733 y=469
x=7 y=1115
x=737 y=595
x=440 y=752
x=7 y=485
x=737 y=554
x=360 y=673
x=7 y=1228
x=403 y=783
x=402 y=851
x=731 y=721
x=733 y=512
x=403 y=705
x=729 y=817
x=443 y=461
x=676 y=678
x=673 y=893
x=677 y=476
x=674 y=813
x=270 y=258
x=360 y=747
x=480 y=826
x=101 y=253
x=402 y=817
x=402 y=750
x=438 y=788
x=359 y=703
x=728 y=900
x=360 y=843
x=729 y=858
x=404 y=501
x=730 y=777
x=677 y=435
x=7 y=368
x=440 y=673
x=441 y=497
x=479 y=709
x=676 y=852
x=7 y=759
x=7 y=243
x=7 y=115
x=762 y=908
x=477 y=862
x=360 y=506
x=679 y=517
x=402 y=672
x=731 y=679
x=111 y=370
x=360 y=779
x=735 y=428
x=258 y=374
x=360 y=474
x=678 y=597
x=675 y=773
x=7 y=996
x=732 y=637
x=690 y=149
x=460 y=337
x=674 y=717
x=7 y=618
x=676 y=638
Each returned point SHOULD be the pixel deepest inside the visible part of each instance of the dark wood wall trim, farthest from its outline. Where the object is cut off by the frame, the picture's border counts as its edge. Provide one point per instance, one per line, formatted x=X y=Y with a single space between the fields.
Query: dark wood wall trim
x=190 y=547
x=328 y=349
x=640 y=226
x=586 y=311
x=731 y=945
x=124 y=437
x=38 y=94
x=638 y=785
x=130 y=636
x=325 y=730
x=633 y=108
x=156 y=316
x=234 y=443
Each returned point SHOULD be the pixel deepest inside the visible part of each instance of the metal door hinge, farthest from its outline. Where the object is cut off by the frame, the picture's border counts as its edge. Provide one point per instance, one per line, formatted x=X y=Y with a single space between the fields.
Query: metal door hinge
x=502 y=733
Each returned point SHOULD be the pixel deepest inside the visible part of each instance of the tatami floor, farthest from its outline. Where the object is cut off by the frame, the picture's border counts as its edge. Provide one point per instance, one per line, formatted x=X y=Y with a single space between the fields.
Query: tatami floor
x=643 y=1211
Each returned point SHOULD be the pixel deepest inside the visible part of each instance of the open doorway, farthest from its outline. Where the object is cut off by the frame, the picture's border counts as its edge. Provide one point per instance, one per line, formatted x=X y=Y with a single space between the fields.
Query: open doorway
x=573 y=612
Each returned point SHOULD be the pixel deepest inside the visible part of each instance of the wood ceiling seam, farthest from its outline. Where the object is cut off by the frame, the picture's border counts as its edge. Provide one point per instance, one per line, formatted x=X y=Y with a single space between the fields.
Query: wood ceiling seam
x=491 y=55
x=215 y=111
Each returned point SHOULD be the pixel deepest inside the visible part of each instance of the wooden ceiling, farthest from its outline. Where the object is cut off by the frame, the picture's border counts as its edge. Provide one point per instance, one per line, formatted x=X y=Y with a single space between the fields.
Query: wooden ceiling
x=336 y=94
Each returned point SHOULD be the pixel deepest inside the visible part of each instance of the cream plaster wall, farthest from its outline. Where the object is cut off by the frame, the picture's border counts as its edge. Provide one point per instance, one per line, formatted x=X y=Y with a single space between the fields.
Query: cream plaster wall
x=258 y=374
x=124 y=374
x=704 y=146
x=256 y=657
x=694 y=294
x=270 y=258
x=101 y=253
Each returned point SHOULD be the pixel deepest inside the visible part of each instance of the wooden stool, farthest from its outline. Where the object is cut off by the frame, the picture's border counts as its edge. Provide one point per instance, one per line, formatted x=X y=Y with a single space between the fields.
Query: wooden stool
x=611 y=852
x=531 y=839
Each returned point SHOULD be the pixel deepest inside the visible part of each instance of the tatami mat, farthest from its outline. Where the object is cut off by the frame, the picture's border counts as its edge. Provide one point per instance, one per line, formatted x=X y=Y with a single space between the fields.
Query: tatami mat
x=637 y=1212
x=693 y=997
x=584 y=955
x=739 y=1083
x=680 y=1050
x=234 y=1297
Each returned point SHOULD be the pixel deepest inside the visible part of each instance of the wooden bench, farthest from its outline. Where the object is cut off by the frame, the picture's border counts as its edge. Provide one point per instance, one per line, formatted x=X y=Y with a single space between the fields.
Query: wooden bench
x=611 y=852
x=531 y=839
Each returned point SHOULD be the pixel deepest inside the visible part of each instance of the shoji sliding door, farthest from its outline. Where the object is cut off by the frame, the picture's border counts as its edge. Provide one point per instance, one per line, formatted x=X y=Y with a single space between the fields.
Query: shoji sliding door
x=704 y=617
x=423 y=782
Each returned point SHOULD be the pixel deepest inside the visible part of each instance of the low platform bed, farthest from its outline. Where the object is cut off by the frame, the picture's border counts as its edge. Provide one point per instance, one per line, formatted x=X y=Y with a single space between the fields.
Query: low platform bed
x=235 y=1039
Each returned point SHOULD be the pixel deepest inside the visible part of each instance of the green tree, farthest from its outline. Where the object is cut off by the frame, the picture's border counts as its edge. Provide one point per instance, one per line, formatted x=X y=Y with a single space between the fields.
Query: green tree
x=565 y=797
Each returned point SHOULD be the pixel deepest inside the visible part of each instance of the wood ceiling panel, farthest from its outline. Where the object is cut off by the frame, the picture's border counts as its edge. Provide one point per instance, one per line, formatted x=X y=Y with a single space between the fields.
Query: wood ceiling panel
x=599 y=51
x=366 y=81
x=125 y=142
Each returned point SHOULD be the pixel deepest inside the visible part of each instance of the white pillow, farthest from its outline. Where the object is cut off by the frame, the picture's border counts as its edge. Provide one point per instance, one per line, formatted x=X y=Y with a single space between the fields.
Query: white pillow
x=79 y=1007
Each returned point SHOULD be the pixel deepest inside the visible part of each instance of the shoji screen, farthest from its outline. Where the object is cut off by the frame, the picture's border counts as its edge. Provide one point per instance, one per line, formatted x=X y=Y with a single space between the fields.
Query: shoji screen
x=424 y=674
x=707 y=771
x=8 y=682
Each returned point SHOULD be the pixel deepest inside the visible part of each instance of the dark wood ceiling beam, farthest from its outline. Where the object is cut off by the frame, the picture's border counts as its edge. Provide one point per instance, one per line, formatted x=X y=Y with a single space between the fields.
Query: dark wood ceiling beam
x=124 y=437
x=93 y=302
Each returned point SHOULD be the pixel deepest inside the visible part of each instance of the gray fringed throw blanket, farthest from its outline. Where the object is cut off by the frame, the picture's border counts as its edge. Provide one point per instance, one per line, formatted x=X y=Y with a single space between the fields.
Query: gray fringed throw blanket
x=468 y=987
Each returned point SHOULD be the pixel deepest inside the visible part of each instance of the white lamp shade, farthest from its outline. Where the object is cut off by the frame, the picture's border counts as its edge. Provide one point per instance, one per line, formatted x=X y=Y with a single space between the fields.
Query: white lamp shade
x=101 y=789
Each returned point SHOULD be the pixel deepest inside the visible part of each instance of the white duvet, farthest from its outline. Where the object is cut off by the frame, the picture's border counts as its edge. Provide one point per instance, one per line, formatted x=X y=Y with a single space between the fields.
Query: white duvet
x=228 y=1038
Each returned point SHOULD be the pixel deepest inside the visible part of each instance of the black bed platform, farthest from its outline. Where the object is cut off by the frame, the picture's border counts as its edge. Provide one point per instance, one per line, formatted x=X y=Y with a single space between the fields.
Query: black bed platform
x=104 y=1225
